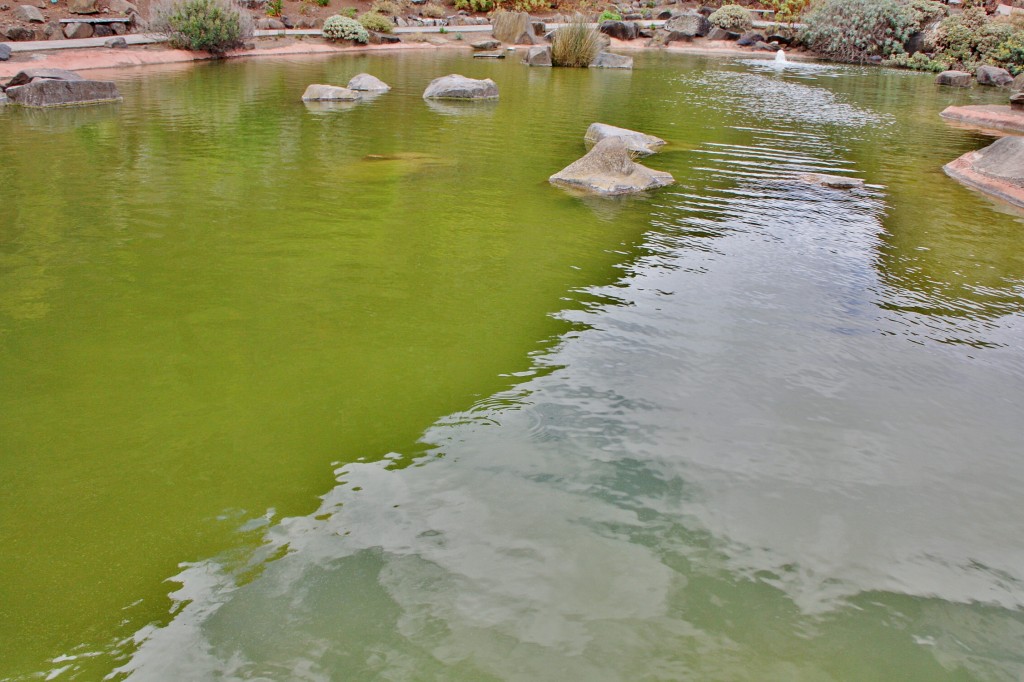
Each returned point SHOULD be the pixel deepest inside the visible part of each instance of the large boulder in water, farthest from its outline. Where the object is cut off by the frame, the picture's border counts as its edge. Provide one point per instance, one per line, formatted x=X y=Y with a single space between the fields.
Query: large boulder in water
x=993 y=75
x=609 y=169
x=538 y=55
x=958 y=79
x=998 y=169
x=329 y=93
x=368 y=83
x=455 y=86
x=637 y=143
x=607 y=60
x=53 y=93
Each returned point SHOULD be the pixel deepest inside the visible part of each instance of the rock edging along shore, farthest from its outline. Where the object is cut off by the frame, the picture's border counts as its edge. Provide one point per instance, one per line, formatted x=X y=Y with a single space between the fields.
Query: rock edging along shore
x=993 y=116
x=996 y=170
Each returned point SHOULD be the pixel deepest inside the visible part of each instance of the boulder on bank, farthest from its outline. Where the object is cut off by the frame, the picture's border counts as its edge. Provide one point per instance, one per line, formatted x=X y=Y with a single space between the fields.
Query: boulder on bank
x=609 y=169
x=688 y=25
x=623 y=30
x=455 y=86
x=957 y=79
x=329 y=93
x=637 y=143
x=997 y=170
x=78 y=30
x=538 y=55
x=993 y=75
x=750 y=38
x=367 y=83
x=607 y=60
x=45 y=92
x=28 y=13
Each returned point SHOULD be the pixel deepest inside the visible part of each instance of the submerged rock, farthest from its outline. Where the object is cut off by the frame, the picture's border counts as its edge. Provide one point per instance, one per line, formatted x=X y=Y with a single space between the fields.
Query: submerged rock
x=957 y=79
x=998 y=169
x=368 y=83
x=639 y=144
x=607 y=60
x=485 y=45
x=51 y=93
x=496 y=54
x=609 y=169
x=538 y=55
x=329 y=93
x=833 y=181
x=455 y=86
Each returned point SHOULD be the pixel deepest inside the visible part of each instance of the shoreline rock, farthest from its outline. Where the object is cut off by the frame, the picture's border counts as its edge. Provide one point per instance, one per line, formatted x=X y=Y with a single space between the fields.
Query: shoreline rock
x=996 y=170
x=987 y=116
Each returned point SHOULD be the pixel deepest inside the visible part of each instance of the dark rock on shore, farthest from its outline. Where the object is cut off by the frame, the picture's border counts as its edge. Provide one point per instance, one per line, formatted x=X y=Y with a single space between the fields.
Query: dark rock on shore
x=18 y=33
x=750 y=38
x=5 y=53
x=623 y=30
x=485 y=45
x=28 y=75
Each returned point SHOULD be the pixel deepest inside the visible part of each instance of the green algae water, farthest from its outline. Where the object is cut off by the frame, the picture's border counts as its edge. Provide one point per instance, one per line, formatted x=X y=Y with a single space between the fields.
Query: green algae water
x=297 y=392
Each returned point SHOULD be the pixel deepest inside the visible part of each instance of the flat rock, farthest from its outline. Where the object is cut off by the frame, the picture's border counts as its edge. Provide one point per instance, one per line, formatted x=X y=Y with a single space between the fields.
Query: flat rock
x=367 y=83
x=987 y=116
x=82 y=6
x=28 y=13
x=609 y=169
x=538 y=55
x=997 y=170
x=993 y=75
x=957 y=79
x=329 y=93
x=52 y=93
x=639 y=144
x=28 y=75
x=485 y=45
x=117 y=42
x=455 y=86
x=833 y=181
x=496 y=54
x=607 y=60
x=121 y=7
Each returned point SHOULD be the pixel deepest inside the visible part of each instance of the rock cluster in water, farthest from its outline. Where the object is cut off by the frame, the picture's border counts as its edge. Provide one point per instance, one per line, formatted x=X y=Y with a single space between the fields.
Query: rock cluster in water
x=56 y=87
x=609 y=169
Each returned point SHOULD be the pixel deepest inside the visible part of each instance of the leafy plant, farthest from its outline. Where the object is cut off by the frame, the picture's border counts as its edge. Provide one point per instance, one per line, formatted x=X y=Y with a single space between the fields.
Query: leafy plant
x=379 y=23
x=442 y=30
x=787 y=11
x=275 y=7
x=530 y=5
x=609 y=15
x=732 y=18
x=390 y=8
x=322 y=3
x=432 y=10
x=349 y=12
x=215 y=26
x=575 y=44
x=458 y=36
x=919 y=61
x=854 y=30
x=475 y=5
x=338 y=27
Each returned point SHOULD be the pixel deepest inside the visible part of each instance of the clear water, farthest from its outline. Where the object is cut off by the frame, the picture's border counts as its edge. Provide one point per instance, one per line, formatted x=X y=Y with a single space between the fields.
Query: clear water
x=296 y=393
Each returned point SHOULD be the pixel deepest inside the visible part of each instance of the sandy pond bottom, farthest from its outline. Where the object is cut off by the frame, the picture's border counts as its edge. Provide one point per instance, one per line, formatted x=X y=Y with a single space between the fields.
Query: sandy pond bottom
x=354 y=394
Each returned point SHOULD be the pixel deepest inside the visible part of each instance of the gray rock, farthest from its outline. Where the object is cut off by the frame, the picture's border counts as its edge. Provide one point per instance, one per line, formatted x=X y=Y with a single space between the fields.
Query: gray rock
x=511 y=27
x=82 y=6
x=607 y=60
x=329 y=93
x=17 y=33
x=28 y=75
x=1018 y=83
x=28 y=13
x=3 y=98
x=1017 y=101
x=455 y=86
x=622 y=30
x=664 y=14
x=268 y=24
x=688 y=25
x=102 y=31
x=762 y=46
x=485 y=45
x=494 y=54
x=367 y=83
x=119 y=28
x=833 y=181
x=957 y=79
x=54 y=31
x=993 y=75
x=750 y=38
x=5 y=52
x=115 y=43
x=78 y=30
x=123 y=7
x=51 y=93
x=307 y=22
x=538 y=55
x=383 y=38
x=1002 y=160
x=609 y=169
x=718 y=33
x=639 y=144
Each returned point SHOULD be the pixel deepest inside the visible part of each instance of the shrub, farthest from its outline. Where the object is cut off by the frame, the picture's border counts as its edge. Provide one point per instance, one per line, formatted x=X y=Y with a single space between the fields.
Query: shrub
x=432 y=10
x=322 y=3
x=609 y=15
x=349 y=12
x=390 y=8
x=787 y=10
x=575 y=44
x=211 y=25
x=927 y=11
x=919 y=61
x=372 y=21
x=854 y=30
x=732 y=18
x=475 y=5
x=1010 y=53
x=344 y=28
x=275 y=7
x=530 y=5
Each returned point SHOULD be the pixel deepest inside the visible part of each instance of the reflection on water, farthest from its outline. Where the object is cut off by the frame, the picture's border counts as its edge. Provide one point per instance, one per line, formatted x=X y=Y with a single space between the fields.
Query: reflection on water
x=778 y=440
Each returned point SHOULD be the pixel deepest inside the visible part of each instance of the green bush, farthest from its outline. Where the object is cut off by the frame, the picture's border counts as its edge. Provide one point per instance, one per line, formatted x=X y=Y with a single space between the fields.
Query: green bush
x=575 y=44
x=322 y=3
x=432 y=10
x=855 y=30
x=609 y=15
x=475 y=5
x=390 y=8
x=275 y=7
x=379 y=23
x=350 y=12
x=344 y=28
x=919 y=61
x=732 y=18
x=212 y=25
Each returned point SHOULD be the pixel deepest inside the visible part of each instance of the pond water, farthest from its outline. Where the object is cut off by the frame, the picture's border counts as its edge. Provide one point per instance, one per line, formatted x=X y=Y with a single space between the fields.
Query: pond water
x=313 y=393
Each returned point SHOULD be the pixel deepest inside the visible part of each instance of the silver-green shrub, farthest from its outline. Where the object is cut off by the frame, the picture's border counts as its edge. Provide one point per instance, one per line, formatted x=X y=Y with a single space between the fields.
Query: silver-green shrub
x=379 y=23
x=343 y=28
x=215 y=26
x=855 y=30
x=732 y=18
